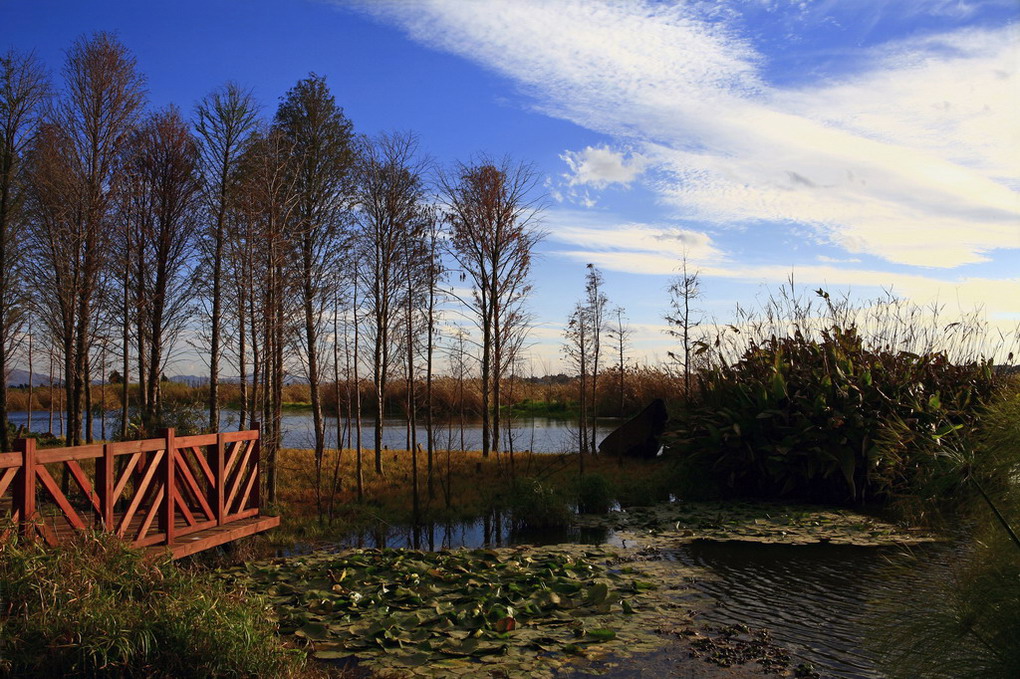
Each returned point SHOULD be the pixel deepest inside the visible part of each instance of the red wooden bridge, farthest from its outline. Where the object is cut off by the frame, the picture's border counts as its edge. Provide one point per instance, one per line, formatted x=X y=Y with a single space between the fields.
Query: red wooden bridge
x=188 y=493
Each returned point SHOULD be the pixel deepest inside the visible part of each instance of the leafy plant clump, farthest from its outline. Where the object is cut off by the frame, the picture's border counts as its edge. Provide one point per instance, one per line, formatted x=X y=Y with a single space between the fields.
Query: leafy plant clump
x=594 y=494
x=829 y=420
x=462 y=612
x=537 y=505
x=95 y=608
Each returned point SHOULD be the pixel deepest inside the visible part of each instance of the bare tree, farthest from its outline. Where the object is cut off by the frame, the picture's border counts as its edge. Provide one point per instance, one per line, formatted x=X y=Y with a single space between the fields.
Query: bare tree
x=269 y=201
x=391 y=192
x=684 y=289
x=492 y=215
x=164 y=163
x=620 y=334
x=224 y=122
x=74 y=178
x=596 y=302
x=577 y=351
x=321 y=165
x=24 y=88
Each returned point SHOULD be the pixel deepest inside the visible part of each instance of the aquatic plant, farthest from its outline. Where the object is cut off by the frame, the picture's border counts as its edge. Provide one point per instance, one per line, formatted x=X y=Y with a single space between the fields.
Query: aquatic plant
x=815 y=418
x=465 y=612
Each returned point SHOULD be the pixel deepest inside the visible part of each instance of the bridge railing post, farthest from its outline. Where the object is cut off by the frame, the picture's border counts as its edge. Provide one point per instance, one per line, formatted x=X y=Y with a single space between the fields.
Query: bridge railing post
x=218 y=468
x=24 y=496
x=166 y=512
x=104 y=487
x=257 y=462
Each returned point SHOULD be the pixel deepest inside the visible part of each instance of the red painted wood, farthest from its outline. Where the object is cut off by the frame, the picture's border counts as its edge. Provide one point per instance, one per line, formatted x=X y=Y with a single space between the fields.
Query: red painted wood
x=198 y=494
x=25 y=498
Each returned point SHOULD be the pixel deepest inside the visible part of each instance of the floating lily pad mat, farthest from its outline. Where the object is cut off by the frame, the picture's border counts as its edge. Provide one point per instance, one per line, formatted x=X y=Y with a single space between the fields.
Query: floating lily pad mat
x=470 y=612
x=665 y=525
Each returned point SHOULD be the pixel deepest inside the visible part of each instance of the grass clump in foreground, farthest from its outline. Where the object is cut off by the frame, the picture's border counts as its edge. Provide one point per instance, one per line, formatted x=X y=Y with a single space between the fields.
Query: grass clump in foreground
x=96 y=608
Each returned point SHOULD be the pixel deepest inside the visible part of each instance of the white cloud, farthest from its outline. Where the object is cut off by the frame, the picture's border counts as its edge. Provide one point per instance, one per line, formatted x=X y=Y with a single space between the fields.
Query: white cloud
x=914 y=159
x=612 y=243
x=600 y=167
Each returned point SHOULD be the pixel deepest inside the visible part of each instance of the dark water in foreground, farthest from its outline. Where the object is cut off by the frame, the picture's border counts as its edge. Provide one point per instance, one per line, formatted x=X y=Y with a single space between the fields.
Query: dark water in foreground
x=817 y=600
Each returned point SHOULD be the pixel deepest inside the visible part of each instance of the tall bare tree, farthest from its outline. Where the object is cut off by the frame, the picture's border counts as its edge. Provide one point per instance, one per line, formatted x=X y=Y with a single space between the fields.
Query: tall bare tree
x=268 y=205
x=322 y=161
x=164 y=163
x=390 y=194
x=24 y=89
x=620 y=333
x=577 y=350
x=224 y=121
x=596 y=301
x=492 y=214
x=77 y=175
x=684 y=289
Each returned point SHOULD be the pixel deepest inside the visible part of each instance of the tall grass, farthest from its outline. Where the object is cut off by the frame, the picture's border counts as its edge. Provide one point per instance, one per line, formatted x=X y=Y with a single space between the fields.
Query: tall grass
x=95 y=608
x=820 y=399
x=965 y=625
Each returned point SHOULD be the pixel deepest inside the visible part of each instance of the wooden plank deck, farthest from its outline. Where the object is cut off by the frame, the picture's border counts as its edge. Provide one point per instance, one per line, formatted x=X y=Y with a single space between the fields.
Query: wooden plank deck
x=187 y=544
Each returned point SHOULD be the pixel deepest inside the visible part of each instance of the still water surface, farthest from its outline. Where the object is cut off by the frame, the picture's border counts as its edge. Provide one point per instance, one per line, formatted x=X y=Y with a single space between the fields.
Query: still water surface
x=539 y=434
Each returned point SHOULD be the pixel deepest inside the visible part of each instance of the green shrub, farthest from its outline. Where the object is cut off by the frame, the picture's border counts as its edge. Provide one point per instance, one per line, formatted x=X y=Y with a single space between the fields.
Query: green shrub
x=964 y=626
x=95 y=608
x=594 y=494
x=829 y=420
x=537 y=505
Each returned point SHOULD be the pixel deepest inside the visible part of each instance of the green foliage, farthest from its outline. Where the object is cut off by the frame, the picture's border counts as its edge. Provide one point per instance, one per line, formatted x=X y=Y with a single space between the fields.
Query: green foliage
x=537 y=505
x=461 y=612
x=964 y=625
x=829 y=420
x=95 y=608
x=594 y=494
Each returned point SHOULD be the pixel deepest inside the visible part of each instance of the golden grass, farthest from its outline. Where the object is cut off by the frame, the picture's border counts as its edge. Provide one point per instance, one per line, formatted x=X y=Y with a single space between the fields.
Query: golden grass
x=465 y=484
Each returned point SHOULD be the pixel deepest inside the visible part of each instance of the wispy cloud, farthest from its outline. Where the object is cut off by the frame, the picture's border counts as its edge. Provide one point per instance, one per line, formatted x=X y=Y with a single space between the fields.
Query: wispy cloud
x=914 y=157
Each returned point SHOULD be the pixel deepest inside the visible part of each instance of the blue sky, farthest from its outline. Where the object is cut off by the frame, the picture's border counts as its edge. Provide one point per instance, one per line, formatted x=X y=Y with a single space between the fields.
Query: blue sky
x=861 y=144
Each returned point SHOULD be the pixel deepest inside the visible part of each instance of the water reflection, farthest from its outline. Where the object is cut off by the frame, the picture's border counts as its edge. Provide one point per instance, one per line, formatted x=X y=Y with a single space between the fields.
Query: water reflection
x=495 y=529
x=538 y=434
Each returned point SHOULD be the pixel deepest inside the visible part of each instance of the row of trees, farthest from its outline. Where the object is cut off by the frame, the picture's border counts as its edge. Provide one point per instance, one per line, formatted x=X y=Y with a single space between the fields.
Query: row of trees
x=275 y=247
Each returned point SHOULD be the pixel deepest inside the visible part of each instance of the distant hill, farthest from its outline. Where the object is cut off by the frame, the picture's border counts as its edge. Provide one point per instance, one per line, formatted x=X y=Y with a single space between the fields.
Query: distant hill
x=19 y=378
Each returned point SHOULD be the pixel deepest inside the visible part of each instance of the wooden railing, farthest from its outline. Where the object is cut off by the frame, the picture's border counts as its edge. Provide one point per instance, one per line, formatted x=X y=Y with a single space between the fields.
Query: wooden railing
x=150 y=492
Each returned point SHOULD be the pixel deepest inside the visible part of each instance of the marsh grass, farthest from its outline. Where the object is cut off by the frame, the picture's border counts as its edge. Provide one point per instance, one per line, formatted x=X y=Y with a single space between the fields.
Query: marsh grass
x=95 y=608
x=467 y=486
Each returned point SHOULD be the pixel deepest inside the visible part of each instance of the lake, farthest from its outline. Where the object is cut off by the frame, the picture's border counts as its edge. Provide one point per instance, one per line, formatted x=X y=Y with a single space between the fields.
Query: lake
x=538 y=434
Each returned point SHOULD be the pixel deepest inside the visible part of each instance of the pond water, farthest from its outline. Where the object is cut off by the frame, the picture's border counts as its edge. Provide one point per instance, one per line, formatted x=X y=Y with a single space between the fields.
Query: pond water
x=538 y=434
x=817 y=600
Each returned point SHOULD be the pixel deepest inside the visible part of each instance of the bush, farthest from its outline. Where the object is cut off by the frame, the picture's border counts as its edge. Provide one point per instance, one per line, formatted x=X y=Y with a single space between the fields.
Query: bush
x=535 y=505
x=95 y=608
x=965 y=624
x=828 y=420
x=594 y=494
